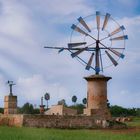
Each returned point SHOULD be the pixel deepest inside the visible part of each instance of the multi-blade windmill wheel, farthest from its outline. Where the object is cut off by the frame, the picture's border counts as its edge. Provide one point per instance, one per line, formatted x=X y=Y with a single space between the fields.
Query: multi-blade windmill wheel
x=98 y=41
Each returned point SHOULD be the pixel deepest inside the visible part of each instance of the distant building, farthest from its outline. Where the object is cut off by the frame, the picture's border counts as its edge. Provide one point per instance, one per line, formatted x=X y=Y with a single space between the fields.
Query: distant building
x=61 y=110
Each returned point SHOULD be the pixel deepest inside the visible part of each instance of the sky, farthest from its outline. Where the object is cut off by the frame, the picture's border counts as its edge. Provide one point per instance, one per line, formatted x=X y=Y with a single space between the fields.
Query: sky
x=26 y=26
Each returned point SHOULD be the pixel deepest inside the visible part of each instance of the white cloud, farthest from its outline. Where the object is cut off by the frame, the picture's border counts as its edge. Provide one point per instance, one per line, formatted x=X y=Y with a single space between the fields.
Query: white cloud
x=62 y=8
x=128 y=3
x=15 y=23
x=126 y=99
x=33 y=88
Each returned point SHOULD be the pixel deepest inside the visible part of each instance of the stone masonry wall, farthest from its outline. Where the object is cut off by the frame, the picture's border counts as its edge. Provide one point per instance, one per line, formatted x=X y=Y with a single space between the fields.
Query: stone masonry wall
x=54 y=121
x=48 y=121
x=11 y=120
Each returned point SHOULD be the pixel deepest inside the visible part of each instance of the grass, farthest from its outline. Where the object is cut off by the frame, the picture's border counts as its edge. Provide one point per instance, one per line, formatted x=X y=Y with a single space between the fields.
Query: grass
x=135 y=122
x=13 y=133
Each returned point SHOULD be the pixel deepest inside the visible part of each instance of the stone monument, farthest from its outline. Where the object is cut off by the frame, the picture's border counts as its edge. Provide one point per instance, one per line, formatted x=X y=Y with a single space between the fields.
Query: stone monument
x=42 y=109
x=10 y=101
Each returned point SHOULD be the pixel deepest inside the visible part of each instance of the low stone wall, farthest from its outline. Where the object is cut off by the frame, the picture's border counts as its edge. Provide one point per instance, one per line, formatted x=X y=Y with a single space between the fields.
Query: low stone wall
x=48 y=121
x=54 y=121
x=11 y=120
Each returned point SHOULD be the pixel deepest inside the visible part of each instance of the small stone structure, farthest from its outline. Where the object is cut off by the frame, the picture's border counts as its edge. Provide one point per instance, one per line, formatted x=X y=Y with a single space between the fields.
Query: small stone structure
x=10 y=101
x=61 y=110
x=97 y=97
x=10 y=104
x=11 y=120
x=42 y=109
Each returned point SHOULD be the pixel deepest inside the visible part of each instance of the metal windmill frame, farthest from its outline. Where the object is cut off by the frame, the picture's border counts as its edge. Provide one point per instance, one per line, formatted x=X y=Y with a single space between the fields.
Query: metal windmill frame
x=97 y=46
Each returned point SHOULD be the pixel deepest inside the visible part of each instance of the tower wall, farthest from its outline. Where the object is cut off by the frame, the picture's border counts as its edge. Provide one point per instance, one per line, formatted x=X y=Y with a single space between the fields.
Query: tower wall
x=97 y=97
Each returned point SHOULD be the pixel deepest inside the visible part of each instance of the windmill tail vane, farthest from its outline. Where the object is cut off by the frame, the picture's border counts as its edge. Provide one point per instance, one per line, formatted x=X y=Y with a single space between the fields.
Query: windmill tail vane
x=98 y=48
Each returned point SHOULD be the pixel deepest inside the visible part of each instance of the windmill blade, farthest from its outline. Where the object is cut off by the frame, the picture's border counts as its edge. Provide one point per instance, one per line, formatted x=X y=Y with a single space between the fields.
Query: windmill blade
x=124 y=37
x=57 y=48
x=74 y=27
x=80 y=59
x=112 y=59
x=117 y=53
x=121 y=28
x=81 y=20
x=89 y=62
x=107 y=16
x=70 y=45
x=98 y=19
x=97 y=63
x=62 y=49
x=78 y=52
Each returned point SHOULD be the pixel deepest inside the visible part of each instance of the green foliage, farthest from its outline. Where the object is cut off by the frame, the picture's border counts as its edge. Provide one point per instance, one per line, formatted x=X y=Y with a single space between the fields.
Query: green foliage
x=135 y=122
x=78 y=107
x=36 y=111
x=108 y=104
x=1 y=110
x=120 y=111
x=62 y=102
x=74 y=99
x=138 y=111
x=84 y=101
x=28 y=109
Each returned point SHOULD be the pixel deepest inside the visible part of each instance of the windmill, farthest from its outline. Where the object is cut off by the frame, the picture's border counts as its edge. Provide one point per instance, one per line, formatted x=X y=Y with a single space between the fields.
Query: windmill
x=97 y=41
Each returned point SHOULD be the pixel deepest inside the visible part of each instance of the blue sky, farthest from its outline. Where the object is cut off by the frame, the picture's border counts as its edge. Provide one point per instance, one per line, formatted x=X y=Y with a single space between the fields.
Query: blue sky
x=26 y=26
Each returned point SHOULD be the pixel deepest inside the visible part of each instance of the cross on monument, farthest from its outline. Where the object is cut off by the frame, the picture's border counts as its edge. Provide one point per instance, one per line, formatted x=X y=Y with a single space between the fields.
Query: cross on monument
x=10 y=83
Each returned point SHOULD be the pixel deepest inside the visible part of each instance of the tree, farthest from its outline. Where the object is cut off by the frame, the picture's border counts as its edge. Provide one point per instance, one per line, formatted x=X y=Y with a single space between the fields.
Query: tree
x=138 y=111
x=78 y=107
x=2 y=110
x=84 y=101
x=108 y=104
x=36 y=111
x=62 y=102
x=27 y=108
x=120 y=111
x=74 y=99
